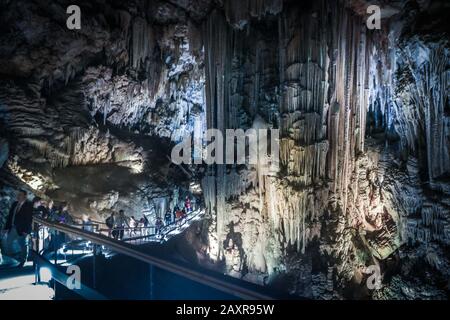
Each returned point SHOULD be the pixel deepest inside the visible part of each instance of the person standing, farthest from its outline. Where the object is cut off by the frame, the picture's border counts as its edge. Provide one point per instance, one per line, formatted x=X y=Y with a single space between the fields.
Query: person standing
x=146 y=225
x=18 y=227
x=121 y=224
x=168 y=218
x=179 y=217
x=88 y=225
x=175 y=213
x=110 y=222
x=132 y=225
x=158 y=225
x=52 y=211
x=39 y=208
x=187 y=205
x=65 y=216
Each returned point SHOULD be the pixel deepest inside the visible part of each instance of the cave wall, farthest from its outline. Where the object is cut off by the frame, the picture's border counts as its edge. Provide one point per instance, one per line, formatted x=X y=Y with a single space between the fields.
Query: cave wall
x=90 y=116
x=360 y=145
x=309 y=77
x=87 y=98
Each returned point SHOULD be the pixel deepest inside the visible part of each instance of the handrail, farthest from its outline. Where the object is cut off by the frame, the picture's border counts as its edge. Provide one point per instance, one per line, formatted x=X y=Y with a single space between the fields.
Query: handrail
x=131 y=251
x=127 y=228
x=61 y=277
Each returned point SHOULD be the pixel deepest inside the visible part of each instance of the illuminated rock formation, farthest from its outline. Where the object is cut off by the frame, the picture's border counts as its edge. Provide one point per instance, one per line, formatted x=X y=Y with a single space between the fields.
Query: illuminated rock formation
x=364 y=147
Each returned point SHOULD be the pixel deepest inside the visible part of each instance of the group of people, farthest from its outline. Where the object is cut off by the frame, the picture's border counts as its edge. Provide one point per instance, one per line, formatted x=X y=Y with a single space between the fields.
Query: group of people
x=118 y=223
x=15 y=236
x=48 y=210
x=16 y=232
x=178 y=215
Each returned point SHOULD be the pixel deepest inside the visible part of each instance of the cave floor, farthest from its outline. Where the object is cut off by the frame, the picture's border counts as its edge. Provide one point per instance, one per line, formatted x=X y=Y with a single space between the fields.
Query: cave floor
x=18 y=283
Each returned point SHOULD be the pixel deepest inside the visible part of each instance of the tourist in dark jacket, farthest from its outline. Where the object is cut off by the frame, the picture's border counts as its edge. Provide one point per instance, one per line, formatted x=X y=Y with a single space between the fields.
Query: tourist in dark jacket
x=146 y=225
x=175 y=210
x=168 y=218
x=158 y=225
x=65 y=216
x=53 y=211
x=121 y=224
x=110 y=223
x=20 y=215
x=18 y=227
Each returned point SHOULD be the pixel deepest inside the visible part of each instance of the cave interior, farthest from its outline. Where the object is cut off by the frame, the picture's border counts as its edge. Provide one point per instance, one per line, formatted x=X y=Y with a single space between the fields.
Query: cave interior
x=90 y=117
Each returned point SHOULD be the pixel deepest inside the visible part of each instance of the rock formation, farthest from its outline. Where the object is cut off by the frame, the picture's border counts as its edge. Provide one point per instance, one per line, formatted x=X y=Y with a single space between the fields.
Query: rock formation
x=90 y=116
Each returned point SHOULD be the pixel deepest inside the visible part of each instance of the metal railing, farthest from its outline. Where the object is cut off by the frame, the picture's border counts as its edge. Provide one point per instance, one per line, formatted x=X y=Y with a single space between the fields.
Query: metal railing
x=137 y=234
x=235 y=287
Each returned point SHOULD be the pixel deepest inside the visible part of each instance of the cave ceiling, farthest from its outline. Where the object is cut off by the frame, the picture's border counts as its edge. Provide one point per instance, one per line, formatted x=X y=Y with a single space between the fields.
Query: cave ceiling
x=90 y=116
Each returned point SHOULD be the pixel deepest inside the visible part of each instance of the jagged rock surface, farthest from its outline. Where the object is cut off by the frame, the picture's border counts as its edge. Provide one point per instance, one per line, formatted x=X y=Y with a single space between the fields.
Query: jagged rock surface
x=89 y=97
x=363 y=118
x=352 y=155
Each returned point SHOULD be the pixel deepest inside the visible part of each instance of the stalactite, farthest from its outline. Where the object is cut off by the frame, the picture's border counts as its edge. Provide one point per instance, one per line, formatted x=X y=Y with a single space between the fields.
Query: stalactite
x=431 y=79
x=217 y=72
x=238 y=12
x=324 y=94
x=141 y=42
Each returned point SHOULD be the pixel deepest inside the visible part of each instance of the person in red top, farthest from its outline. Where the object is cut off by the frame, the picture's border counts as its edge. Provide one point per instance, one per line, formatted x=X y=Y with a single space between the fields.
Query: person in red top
x=179 y=214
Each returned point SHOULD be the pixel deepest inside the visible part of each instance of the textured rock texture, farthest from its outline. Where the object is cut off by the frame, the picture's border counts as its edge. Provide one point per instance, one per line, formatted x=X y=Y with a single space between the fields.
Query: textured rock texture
x=91 y=115
x=91 y=99
x=364 y=133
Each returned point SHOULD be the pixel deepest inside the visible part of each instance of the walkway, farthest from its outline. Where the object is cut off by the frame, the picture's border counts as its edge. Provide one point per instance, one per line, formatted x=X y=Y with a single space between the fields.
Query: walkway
x=19 y=284
x=142 y=235
x=97 y=241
